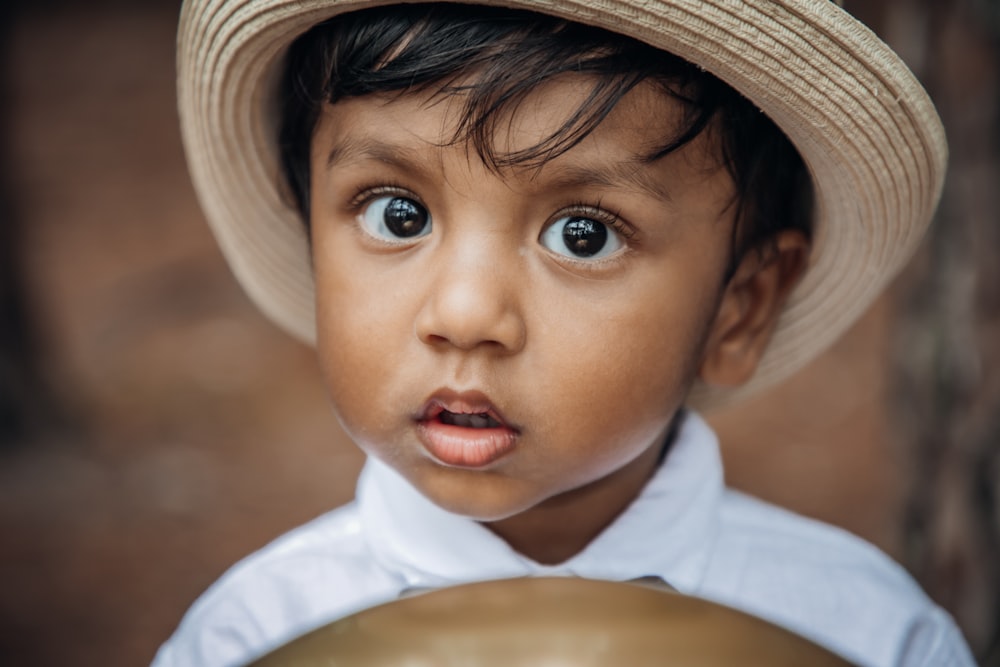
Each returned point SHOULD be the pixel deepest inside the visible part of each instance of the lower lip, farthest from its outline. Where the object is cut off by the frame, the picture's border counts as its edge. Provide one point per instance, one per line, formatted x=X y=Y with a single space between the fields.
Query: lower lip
x=463 y=447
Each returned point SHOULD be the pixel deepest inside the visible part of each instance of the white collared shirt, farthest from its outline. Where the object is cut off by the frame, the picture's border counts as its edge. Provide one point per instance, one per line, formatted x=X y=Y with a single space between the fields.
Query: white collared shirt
x=685 y=527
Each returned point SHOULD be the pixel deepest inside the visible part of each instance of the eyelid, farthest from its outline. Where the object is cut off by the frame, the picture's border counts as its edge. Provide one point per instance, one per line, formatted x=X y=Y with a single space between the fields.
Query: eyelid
x=612 y=219
x=366 y=194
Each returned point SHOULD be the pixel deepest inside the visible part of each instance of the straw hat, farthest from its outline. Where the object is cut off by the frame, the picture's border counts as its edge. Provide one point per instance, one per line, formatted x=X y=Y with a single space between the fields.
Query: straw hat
x=863 y=124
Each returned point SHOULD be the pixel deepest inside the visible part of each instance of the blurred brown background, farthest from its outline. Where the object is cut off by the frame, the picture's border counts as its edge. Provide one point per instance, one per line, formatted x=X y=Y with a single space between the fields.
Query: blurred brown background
x=154 y=428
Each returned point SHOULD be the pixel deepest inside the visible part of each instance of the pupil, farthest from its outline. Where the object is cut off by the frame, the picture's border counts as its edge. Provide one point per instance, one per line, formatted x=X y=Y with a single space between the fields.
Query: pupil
x=584 y=237
x=404 y=217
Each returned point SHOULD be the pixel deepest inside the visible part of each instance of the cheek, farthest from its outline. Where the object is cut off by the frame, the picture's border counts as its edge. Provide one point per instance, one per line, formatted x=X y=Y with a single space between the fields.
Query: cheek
x=642 y=336
x=616 y=370
x=357 y=338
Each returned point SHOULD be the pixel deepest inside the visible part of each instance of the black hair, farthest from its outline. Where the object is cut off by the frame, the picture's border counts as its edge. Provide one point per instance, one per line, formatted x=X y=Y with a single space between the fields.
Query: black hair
x=496 y=57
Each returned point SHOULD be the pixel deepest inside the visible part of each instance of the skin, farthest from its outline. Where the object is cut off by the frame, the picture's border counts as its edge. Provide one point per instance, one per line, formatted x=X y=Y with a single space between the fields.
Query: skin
x=586 y=359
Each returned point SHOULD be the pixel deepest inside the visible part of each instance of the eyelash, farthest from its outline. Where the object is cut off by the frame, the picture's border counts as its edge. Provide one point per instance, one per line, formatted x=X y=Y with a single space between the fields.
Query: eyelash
x=366 y=194
x=602 y=215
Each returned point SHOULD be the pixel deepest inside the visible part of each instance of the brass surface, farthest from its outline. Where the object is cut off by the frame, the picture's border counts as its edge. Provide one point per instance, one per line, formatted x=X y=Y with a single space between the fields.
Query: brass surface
x=550 y=622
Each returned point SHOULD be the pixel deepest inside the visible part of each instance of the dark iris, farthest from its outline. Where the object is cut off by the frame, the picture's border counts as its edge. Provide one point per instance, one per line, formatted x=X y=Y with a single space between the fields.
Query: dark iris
x=405 y=217
x=584 y=237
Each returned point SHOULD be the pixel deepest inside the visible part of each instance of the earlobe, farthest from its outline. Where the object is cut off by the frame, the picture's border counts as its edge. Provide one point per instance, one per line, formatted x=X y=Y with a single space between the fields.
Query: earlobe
x=749 y=309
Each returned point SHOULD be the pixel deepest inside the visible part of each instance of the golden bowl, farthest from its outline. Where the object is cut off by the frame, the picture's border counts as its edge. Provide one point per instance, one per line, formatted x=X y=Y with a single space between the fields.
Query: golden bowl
x=550 y=622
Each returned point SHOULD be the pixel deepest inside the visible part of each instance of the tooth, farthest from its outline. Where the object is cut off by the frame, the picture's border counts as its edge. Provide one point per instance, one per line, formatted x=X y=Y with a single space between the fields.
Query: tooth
x=468 y=420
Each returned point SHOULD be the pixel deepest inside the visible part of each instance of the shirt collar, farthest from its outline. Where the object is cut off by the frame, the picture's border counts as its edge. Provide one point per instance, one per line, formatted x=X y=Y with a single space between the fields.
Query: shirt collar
x=666 y=532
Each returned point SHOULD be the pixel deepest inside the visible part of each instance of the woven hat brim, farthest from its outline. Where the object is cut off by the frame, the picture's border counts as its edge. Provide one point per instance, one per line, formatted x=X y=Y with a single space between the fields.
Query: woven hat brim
x=862 y=122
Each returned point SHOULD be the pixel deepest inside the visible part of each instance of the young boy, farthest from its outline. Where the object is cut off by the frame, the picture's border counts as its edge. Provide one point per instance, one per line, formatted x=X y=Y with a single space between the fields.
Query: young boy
x=523 y=245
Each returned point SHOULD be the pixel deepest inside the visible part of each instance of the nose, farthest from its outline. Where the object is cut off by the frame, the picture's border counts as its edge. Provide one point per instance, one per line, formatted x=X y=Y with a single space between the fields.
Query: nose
x=472 y=302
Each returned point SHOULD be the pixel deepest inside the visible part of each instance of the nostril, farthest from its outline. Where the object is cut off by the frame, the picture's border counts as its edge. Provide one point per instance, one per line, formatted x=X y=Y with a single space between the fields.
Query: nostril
x=435 y=339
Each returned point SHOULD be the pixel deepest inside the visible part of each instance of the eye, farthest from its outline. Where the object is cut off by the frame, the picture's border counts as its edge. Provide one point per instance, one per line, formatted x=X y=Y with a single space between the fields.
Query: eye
x=580 y=237
x=395 y=217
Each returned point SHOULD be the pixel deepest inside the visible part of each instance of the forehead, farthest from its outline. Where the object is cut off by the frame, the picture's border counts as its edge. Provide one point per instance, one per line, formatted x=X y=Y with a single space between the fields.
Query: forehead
x=407 y=128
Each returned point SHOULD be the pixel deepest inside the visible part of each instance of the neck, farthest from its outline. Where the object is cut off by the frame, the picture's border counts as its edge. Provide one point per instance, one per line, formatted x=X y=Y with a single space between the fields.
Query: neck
x=561 y=527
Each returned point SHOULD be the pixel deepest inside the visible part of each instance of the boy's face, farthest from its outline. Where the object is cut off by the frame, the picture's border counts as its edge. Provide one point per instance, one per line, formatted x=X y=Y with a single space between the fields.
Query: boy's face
x=568 y=307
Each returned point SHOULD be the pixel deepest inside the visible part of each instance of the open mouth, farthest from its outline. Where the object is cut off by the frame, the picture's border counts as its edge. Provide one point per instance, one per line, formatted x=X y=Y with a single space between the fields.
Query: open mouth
x=465 y=430
x=477 y=420
x=466 y=410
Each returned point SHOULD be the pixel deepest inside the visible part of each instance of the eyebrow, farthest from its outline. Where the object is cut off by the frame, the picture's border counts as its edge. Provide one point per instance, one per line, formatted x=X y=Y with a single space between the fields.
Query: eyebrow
x=625 y=174
x=622 y=174
x=352 y=149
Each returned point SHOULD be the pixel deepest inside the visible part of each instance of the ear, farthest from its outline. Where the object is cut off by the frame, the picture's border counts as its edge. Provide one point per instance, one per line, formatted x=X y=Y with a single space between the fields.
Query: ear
x=749 y=308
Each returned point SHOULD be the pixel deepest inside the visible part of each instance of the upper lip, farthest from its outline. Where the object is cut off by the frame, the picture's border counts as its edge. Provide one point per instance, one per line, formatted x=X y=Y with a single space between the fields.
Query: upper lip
x=469 y=402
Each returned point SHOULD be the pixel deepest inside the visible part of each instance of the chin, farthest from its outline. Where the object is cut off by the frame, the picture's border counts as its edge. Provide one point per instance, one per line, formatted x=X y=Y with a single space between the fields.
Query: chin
x=480 y=499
